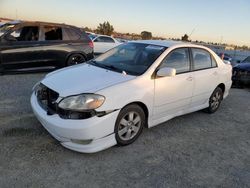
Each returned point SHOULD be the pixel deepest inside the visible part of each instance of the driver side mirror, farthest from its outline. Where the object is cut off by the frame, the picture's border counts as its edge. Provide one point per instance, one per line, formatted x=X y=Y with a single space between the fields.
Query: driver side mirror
x=166 y=72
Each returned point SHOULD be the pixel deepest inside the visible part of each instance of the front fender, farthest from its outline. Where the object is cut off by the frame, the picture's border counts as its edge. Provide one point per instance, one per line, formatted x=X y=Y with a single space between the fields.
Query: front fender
x=137 y=90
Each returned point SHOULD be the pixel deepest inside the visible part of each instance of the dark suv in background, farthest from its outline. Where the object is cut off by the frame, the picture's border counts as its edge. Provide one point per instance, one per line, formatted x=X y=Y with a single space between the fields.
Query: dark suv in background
x=241 y=73
x=40 y=46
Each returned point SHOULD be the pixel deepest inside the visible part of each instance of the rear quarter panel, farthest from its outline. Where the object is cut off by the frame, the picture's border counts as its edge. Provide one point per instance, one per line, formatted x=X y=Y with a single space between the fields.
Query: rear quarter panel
x=225 y=74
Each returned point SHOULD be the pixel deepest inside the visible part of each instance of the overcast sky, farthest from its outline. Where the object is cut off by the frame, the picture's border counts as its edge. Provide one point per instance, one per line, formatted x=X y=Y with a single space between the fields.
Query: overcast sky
x=210 y=20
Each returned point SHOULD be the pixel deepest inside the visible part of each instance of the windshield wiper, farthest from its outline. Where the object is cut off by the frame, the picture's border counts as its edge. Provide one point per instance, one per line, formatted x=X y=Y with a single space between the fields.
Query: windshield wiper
x=113 y=68
x=93 y=62
x=109 y=67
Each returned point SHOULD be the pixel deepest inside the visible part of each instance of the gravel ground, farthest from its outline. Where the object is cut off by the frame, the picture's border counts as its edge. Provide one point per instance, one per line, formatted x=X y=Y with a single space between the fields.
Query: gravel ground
x=195 y=150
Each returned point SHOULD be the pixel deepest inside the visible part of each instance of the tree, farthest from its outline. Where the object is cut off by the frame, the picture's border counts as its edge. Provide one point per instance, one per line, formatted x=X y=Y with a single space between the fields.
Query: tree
x=87 y=29
x=244 y=47
x=145 y=35
x=185 y=37
x=105 y=28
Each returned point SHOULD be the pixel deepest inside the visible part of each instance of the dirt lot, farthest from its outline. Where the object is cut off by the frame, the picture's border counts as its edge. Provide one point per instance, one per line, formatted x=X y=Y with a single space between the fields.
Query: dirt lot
x=195 y=150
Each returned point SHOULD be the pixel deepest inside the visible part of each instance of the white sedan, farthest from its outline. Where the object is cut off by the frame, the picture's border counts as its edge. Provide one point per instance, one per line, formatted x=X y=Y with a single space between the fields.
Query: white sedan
x=103 y=43
x=109 y=100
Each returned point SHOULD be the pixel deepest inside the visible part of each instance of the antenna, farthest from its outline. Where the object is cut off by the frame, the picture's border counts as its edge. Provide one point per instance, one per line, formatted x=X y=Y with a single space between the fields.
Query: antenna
x=192 y=32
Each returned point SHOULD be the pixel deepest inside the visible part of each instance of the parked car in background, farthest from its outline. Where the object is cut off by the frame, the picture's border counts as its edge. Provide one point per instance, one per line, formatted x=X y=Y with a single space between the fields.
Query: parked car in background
x=103 y=43
x=89 y=33
x=135 y=85
x=241 y=73
x=226 y=58
x=121 y=40
x=40 y=46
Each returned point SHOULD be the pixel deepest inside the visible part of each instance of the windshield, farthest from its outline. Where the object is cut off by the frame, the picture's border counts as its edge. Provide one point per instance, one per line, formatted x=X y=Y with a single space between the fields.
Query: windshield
x=130 y=58
x=6 y=27
x=247 y=60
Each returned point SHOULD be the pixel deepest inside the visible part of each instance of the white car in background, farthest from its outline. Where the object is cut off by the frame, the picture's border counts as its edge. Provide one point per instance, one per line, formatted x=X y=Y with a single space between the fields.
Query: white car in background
x=109 y=100
x=103 y=43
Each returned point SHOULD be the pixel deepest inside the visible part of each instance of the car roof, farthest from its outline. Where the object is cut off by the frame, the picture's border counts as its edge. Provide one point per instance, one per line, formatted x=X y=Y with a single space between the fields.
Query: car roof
x=98 y=35
x=45 y=23
x=168 y=43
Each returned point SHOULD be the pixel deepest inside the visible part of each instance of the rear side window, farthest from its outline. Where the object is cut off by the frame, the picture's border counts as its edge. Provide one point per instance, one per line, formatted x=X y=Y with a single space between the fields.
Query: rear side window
x=27 y=33
x=202 y=59
x=178 y=59
x=70 y=34
x=52 y=33
x=104 y=39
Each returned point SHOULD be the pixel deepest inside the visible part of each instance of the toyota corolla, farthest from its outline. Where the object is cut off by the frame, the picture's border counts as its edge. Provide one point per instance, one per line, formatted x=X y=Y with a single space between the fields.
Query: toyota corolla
x=109 y=100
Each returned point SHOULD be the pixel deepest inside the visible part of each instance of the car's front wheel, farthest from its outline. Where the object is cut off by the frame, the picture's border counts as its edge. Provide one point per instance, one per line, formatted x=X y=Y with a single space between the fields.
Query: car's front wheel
x=215 y=100
x=75 y=59
x=129 y=124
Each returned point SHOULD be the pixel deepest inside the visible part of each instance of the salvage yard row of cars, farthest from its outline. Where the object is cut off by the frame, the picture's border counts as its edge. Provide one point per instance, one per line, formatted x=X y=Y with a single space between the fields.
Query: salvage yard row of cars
x=108 y=100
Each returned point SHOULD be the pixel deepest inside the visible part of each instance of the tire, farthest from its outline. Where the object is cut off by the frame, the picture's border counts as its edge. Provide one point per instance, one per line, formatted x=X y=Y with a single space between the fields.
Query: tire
x=215 y=100
x=237 y=84
x=75 y=59
x=129 y=124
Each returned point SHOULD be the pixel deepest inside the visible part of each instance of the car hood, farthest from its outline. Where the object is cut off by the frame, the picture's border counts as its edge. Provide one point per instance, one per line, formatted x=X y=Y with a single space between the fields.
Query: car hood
x=243 y=66
x=83 y=79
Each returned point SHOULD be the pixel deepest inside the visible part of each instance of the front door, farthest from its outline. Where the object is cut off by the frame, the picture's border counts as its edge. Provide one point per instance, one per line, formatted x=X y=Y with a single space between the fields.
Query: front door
x=173 y=94
x=20 y=49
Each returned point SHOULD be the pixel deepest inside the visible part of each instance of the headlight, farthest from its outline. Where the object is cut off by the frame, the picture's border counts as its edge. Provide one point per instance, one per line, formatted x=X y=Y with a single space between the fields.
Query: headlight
x=82 y=102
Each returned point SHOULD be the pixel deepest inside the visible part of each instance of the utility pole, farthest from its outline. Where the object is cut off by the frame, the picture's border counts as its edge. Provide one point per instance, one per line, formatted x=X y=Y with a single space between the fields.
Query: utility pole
x=221 y=39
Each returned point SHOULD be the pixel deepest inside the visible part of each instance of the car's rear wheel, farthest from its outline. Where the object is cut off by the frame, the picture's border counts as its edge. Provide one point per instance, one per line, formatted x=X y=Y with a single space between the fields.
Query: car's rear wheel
x=215 y=100
x=129 y=124
x=75 y=59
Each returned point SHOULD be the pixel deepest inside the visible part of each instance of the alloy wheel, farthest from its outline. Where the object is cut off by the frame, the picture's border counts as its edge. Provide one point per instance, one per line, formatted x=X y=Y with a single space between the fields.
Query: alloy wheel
x=75 y=59
x=215 y=100
x=129 y=126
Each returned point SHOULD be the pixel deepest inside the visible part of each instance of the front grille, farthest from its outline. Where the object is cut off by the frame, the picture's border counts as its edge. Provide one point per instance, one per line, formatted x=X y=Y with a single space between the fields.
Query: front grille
x=67 y=114
x=47 y=99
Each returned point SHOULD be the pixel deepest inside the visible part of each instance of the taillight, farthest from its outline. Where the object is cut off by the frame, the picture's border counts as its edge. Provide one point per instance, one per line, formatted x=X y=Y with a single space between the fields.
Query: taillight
x=91 y=44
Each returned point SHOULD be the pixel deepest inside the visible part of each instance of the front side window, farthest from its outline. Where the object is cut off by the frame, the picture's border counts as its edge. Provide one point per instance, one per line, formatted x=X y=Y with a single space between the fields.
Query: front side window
x=202 y=59
x=6 y=27
x=177 y=59
x=53 y=33
x=27 y=33
x=129 y=58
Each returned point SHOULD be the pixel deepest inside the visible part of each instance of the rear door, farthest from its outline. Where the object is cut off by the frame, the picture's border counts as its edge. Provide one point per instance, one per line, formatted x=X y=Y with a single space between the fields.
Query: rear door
x=21 y=48
x=54 y=48
x=205 y=76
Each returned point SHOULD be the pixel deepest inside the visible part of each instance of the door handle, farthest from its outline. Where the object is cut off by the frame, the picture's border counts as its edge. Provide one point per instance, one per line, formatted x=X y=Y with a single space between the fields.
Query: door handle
x=190 y=78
